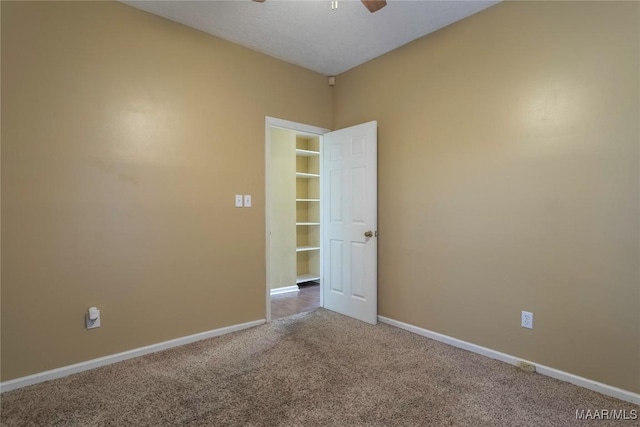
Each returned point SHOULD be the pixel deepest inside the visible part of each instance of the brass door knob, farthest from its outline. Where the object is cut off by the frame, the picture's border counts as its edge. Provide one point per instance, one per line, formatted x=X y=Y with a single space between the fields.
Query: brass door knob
x=368 y=233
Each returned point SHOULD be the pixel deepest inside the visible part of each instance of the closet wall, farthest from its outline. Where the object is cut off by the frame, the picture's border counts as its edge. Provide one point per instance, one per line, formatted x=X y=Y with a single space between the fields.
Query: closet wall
x=282 y=209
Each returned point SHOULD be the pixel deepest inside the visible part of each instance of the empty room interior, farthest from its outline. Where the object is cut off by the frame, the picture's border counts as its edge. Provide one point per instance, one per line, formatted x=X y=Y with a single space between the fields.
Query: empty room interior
x=508 y=186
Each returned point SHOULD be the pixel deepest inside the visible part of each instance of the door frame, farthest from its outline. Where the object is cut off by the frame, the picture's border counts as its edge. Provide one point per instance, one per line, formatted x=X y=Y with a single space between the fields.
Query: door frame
x=272 y=122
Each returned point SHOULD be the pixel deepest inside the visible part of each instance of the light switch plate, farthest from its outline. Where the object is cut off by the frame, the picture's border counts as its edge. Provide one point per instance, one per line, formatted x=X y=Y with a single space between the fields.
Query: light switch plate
x=238 y=200
x=247 y=200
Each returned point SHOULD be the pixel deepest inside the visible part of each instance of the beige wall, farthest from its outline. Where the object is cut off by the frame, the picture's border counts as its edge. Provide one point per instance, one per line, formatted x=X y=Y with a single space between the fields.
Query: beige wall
x=124 y=139
x=282 y=215
x=508 y=181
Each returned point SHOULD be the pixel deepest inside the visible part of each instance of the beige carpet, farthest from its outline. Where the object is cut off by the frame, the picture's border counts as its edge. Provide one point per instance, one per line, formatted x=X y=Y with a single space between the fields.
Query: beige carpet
x=316 y=368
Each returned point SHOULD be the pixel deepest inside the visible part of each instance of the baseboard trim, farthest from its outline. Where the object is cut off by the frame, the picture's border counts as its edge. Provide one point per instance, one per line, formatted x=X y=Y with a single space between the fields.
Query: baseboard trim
x=285 y=289
x=605 y=389
x=108 y=360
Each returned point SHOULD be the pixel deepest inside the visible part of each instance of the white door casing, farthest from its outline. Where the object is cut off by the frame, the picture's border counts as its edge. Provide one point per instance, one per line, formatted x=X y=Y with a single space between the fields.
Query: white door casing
x=349 y=210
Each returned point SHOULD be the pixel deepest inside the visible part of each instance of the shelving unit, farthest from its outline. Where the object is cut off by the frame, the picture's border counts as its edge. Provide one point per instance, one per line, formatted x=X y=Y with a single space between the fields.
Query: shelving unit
x=307 y=209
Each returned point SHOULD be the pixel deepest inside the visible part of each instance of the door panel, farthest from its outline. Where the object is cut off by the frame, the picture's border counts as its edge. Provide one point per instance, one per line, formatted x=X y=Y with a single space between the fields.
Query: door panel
x=350 y=270
x=358 y=288
x=335 y=200
x=335 y=267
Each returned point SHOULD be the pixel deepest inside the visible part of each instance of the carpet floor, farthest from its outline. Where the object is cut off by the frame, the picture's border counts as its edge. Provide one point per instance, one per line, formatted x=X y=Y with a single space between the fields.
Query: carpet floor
x=311 y=369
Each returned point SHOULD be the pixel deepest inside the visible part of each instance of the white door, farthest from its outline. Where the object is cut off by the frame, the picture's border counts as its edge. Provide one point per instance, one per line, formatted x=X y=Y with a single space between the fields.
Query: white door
x=350 y=221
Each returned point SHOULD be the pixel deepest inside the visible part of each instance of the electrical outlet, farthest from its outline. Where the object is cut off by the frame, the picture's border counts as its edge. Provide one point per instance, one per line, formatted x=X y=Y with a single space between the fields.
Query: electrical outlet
x=527 y=320
x=92 y=323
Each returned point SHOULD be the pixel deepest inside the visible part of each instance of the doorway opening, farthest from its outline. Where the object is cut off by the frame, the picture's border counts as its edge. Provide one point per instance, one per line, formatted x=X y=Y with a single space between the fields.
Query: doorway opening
x=293 y=217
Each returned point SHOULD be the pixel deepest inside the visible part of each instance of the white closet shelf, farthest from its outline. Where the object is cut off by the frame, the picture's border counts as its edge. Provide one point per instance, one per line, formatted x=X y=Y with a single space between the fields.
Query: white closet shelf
x=306 y=153
x=307 y=175
x=307 y=278
x=307 y=248
x=307 y=223
x=307 y=200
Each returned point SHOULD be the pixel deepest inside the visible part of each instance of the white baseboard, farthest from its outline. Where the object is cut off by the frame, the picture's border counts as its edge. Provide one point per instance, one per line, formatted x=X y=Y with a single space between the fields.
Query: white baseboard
x=285 y=289
x=108 y=360
x=605 y=389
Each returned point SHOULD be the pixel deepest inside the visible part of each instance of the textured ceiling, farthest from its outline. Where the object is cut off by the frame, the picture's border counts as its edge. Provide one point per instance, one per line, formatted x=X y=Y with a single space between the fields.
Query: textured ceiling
x=308 y=33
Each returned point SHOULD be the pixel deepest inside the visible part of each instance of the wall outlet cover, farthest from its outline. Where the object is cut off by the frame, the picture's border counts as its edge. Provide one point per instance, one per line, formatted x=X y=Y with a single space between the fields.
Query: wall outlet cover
x=92 y=324
x=527 y=320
